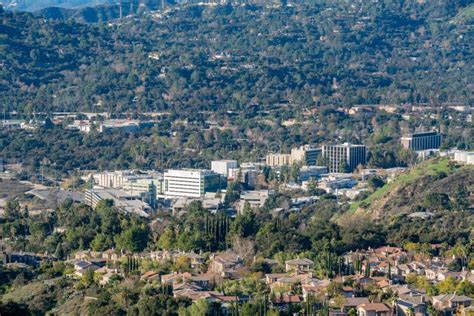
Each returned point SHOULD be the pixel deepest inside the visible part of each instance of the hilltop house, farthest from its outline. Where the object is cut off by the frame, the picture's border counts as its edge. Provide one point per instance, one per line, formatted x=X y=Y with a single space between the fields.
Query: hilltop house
x=299 y=265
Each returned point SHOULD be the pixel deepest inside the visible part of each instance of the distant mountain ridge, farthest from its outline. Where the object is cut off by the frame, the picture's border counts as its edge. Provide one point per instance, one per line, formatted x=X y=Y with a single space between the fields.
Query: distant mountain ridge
x=72 y=8
x=210 y=57
x=36 y=5
x=96 y=14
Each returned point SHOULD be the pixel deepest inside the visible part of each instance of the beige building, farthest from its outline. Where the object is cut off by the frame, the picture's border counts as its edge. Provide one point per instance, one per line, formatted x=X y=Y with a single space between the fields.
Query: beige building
x=275 y=160
x=306 y=155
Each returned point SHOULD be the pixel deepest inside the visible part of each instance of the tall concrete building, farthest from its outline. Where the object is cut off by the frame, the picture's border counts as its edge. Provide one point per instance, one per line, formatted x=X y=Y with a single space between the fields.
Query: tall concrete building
x=192 y=182
x=346 y=156
x=306 y=154
x=422 y=141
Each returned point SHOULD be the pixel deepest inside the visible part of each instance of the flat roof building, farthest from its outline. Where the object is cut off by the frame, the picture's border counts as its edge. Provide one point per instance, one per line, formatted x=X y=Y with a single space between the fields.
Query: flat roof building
x=224 y=167
x=306 y=155
x=254 y=198
x=122 y=125
x=311 y=172
x=134 y=182
x=123 y=200
x=422 y=141
x=192 y=182
x=345 y=157
x=466 y=157
x=275 y=160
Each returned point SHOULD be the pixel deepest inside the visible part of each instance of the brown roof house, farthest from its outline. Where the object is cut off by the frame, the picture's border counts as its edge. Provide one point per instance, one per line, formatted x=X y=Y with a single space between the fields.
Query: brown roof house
x=342 y=307
x=374 y=309
x=225 y=265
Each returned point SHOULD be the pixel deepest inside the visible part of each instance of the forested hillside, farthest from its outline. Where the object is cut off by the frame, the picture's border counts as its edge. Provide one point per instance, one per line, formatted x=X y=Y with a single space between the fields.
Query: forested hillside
x=431 y=186
x=197 y=57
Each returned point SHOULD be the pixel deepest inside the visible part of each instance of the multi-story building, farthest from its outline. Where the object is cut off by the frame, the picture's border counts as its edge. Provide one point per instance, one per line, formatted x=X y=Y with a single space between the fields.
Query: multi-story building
x=345 y=157
x=306 y=154
x=275 y=160
x=141 y=184
x=247 y=173
x=113 y=179
x=422 y=141
x=144 y=185
x=134 y=182
x=224 y=167
x=147 y=188
x=192 y=182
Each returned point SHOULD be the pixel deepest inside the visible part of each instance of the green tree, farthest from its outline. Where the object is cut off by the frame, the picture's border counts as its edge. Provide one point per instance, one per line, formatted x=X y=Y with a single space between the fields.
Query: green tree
x=245 y=224
x=199 y=308
x=12 y=209
x=102 y=242
x=133 y=239
x=375 y=183
x=167 y=239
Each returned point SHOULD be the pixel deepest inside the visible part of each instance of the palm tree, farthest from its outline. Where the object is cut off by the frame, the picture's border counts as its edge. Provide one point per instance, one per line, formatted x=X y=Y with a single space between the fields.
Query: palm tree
x=459 y=251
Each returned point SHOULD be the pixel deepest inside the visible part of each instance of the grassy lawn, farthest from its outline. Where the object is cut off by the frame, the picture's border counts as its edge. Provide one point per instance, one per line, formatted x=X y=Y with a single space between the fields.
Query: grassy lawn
x=429 y=167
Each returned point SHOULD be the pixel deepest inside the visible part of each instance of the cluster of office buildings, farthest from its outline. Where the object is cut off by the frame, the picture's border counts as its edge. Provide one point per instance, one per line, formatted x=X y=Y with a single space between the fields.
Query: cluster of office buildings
x=337 y=157
x=142 y=190
x=330 y=164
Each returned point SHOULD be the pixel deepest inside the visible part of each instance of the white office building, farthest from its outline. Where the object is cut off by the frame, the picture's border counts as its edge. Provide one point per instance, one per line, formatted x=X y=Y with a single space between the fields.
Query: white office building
x=136 y=183
x=111 y=179
x=224 y=167
x=192 y=182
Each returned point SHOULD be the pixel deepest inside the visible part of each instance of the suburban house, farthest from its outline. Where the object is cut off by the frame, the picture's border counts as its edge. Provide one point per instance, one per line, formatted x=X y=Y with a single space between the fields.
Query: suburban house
x=283 y=302
x=299 y=265
x=450 y=303
x=411 y=304
x=225 y=264
x=374 y=309
x=342 y=307
x=82 y=266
